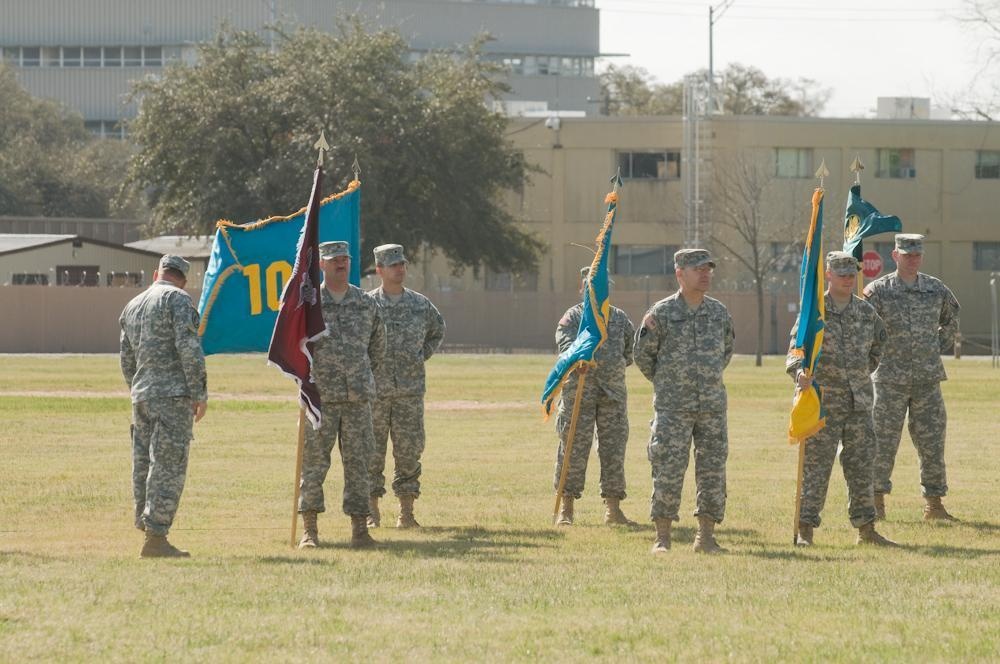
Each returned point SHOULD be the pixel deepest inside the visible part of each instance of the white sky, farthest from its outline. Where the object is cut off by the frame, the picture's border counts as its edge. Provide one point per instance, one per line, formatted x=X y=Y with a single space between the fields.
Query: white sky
x=862 y=49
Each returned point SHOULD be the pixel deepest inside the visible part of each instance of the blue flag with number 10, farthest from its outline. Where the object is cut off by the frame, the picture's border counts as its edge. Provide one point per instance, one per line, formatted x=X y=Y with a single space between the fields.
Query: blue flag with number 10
x=250 y=264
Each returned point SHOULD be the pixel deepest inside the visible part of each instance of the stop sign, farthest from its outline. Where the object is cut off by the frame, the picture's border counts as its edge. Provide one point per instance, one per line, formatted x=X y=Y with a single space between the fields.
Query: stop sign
x=871 y=264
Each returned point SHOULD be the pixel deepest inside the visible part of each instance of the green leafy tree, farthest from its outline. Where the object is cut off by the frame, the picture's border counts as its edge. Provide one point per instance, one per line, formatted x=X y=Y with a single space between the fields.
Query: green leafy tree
x=743 y=90
x=231 y=138
x=49 y=164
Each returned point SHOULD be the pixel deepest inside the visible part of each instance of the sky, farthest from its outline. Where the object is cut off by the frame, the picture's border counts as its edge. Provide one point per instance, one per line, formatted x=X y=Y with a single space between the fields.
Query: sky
x=861 y=49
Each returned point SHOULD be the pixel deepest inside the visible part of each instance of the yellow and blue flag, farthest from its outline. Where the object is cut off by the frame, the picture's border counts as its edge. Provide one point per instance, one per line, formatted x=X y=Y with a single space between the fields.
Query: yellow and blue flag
x=596 y=311
x=862 y=219
x=251 y=263
x=808 y=416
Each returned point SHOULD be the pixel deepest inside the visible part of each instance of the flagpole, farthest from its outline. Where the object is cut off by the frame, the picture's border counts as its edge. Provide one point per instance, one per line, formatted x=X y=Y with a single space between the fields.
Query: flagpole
x=571 y=434
x=856 y=168
x=798 y=492
x=298 y=471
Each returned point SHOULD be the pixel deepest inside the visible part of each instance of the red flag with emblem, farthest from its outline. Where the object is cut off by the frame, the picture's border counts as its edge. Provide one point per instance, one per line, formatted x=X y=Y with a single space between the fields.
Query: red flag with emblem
x=300 y=318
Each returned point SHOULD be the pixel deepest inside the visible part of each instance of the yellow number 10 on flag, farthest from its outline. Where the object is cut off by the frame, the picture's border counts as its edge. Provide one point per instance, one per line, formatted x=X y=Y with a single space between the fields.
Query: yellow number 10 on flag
x=275 y=277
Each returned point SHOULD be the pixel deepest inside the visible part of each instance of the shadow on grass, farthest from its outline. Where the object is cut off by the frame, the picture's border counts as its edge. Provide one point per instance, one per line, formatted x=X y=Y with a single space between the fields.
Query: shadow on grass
x=938 y=550
x=12 y=557
x=486 y=544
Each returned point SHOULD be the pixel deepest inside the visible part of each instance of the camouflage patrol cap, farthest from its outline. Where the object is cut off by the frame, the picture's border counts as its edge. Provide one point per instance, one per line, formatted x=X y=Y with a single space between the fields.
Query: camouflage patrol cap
x=174 y=263
x=910 y=243
x=328 y=250
x=842 y=263
x=693 y=258
x=389 y=254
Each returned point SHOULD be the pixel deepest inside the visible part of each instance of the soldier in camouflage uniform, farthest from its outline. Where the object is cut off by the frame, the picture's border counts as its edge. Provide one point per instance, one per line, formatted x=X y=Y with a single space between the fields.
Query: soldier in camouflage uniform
x=921 y=315
x=853 y=339
x=414 y=331
x=163 y=364
x=684 y=344
x=603 y=404
x=343 y=366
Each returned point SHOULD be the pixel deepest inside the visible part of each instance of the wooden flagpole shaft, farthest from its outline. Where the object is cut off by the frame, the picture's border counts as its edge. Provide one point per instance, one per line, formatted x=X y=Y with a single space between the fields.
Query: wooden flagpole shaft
x=571 y=434
x=298 y=471
x=798 y=492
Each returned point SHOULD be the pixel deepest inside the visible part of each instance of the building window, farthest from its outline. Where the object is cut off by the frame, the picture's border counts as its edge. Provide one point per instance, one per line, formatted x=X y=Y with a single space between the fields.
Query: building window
x=112 y=56
x=77 y=275
x=988 y=165
x=28 y=279
x=664 y=165
x=986 y=255
x=91 y=56
x=12 y=55
x=642 y=259
x=508 y=282
x=152 y=56
x=899 y=163
x=787 y=256
x=71 y=56
x=884 y=250
x=31 y=56
x=50 y=56
x=793 y=162
x=105 y=128
x=132 y=56
x=171 y=54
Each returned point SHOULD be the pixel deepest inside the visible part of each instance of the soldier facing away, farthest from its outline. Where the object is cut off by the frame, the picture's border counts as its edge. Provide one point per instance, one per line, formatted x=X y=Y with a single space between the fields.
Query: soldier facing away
x=684 y=345
x=604 y=405
x=921 y=315
x=853 y=339
x=343 y=366
x=414 y=331
x=164 y=366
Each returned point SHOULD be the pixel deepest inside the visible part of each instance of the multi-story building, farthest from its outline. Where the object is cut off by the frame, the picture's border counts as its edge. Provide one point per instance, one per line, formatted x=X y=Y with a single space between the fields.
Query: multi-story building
x=85 y=53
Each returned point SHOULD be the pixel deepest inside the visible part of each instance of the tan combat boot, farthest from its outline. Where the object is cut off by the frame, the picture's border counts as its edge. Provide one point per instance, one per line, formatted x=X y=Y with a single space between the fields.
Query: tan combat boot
x=565 y=517
x=868 y=535
x=310 y=531
x=360 y=539
x=934 y=510
x=704 y=541
x=662 y=542
x=406 y=519
x=805 y=537
x=374 y=516
x=157 y=546
x=613 y=515
x=879 y=506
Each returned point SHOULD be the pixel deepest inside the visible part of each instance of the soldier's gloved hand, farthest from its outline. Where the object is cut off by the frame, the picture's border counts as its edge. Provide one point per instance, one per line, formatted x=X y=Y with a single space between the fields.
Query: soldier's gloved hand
x=803 y=380
x=199 y=408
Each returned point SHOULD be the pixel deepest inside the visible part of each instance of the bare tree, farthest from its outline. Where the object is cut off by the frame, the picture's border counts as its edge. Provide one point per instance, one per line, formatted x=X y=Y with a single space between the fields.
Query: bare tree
x=981 y=99
x=753 y=219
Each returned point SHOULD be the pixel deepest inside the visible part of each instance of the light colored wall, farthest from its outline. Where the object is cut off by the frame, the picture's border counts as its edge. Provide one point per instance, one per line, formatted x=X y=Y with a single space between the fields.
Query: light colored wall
x=41 y=260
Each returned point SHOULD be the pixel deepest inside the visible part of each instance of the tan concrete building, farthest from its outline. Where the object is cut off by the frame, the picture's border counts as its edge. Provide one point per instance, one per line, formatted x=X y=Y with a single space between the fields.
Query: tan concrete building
x=942 y=178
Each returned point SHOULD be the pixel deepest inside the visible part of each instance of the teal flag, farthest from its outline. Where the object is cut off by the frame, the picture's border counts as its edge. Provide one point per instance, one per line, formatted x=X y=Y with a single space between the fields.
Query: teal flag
x=862 y=220
x=250 y=265
x=596 y=311
x=808 y=415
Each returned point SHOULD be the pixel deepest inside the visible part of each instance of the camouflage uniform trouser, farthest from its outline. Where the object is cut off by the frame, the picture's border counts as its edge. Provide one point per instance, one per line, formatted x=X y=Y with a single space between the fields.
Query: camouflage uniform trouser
x=351 y=423
x=669 y=446
x=854 y=430
x=161 y=441
x=927 y=420
x=611 y=419
x=403 y=417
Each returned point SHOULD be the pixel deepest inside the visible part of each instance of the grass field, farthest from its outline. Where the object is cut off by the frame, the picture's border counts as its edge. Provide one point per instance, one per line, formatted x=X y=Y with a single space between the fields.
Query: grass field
x=487 y=578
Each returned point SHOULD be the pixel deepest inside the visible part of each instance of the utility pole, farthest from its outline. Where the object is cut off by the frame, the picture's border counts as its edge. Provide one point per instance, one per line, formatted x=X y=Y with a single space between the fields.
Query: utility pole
x=712 y=20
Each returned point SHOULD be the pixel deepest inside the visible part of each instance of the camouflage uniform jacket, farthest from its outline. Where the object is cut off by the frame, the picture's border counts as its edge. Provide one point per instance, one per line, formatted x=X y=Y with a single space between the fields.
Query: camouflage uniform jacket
x=684 y=353
x=161 y=353
x=414 y=331
x=922 y=321
x=345 y=359
x=612 y=357
x=853 y=342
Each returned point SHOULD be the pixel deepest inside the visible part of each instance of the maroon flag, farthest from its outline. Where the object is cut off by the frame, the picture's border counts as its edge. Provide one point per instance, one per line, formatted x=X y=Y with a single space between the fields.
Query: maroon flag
x=300 y=319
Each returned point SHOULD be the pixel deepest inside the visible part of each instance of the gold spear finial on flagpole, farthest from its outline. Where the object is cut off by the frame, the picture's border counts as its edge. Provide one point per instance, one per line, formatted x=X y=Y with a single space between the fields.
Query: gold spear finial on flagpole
x=322 y=146
x=822 y=172
x=856 y=168
x=356 y=167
